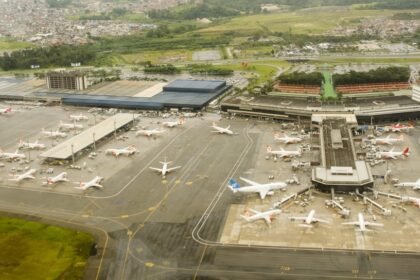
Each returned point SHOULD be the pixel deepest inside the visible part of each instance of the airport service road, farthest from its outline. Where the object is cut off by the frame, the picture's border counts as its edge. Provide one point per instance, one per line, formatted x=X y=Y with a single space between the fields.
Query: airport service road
x=147 y=223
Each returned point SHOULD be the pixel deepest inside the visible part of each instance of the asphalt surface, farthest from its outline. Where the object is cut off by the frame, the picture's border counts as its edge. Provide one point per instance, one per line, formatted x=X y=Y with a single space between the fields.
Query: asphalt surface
x=150 y=228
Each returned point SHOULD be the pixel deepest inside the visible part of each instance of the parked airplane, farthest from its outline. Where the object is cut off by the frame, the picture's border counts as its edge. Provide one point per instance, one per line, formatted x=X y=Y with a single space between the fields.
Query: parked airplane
x=414 y=185
x=262 y=189
x=79 y=117
x=283 y=153
x=267 y=216
x=12 y=156
x=287 y=139
x=181 y=121
x=387 y=140
x=149 y=132
x=70 y=126
x=165 y=168
x=399 y=127
x=32 y=146
x=54 y=134
x=309 y=219
x=26 y=175
x=62 y=177
x=94 y=183
x=361 y=223
x=412 y=199
x=394 y=155
x=4 y=111
x=222 y=130
x=127 y=151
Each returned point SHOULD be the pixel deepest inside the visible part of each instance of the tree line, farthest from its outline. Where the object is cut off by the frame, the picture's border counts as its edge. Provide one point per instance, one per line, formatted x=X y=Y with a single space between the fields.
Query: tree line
x=380 y=75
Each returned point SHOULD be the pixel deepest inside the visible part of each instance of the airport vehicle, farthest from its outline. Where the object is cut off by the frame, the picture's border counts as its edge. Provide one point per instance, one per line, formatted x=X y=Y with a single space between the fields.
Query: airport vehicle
x=394 y=155
x=70 y=126
x=308 y=220
x=62 y=177
x=262 y=189
x=164 y=170
x=94 y=183
x=414 y=185
x=11 y=156
x=267 y=216
x=222 y=130
x=149 y=132
x=387 y=140
x=79 y=117
x=32 y=146
x=283 y=153
x=127 y=151
x=4 y=111
x=26 y=175
x=361 y=223
x=54 y=134
x=286 y=139
x=181 y=121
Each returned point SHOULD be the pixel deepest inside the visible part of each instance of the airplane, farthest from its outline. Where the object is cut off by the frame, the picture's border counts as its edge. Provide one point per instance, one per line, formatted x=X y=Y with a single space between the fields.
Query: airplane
x=127 y=151
x=283 y=153
x=222 y=130
x=70 y=126
x=268 y=216
x=189 y=115
x=165 y=168
x=412 y=199
x=94 y=183
x=387 y=140
x=149 y=132
x=79 y=117
x=12 y=156
x=27 y=175
x=62 y=177
x=4 y=111
x=309 y=219
x=287 y=139
x=262 y=189
x=362 y=223
x=394 y=155
x=181 y=121
x=54 y=134
x=414 y=185
x=32 y=146
x=399 y=127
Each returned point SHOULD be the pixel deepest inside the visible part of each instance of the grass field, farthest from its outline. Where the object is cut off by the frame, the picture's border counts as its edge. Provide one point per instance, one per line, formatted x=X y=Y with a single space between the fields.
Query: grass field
x=167 y=56
x=264 y=72
x=13 y=45
x=32 y=250
x=300 y=22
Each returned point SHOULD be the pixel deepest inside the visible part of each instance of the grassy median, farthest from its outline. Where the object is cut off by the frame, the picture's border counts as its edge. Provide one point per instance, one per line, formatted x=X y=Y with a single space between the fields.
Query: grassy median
x=31 y=250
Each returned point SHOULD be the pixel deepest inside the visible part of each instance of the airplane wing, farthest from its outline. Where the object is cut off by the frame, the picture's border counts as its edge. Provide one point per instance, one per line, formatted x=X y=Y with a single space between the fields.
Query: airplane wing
x=267 y=220
x=249 y=181
x=263 y=193
x=156 y=169
x=227 y=127
x=97 y=186
x=418 y=182
x=254 y=211
x=351 y=223
x=173 y=168
x=374 y=224
x=298 y=218
x=320 y=220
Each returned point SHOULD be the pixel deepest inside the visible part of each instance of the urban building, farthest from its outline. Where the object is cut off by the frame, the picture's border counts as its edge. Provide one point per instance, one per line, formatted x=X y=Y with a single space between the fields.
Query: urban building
x=66 y=80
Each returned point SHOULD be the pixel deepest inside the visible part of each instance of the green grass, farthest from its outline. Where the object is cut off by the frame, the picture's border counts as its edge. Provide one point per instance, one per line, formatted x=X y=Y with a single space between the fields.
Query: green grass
x=373 y=60
x=329 y=92
x=6 y=44
x=262 y=73
x=164 y=56
x=31 y=250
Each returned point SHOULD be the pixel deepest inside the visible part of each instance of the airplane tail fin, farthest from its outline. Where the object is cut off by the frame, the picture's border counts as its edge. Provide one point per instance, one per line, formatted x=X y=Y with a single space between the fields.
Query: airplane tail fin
x=269 y=149
x=233 y=185
x=405 y=152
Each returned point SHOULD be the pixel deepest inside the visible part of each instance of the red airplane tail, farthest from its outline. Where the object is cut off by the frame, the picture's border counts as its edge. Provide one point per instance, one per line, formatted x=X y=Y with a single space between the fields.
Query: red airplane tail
x=405 y=152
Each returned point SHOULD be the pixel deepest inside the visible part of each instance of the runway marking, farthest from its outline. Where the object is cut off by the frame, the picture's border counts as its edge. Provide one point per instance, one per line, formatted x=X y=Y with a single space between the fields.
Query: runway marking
x=201 y=261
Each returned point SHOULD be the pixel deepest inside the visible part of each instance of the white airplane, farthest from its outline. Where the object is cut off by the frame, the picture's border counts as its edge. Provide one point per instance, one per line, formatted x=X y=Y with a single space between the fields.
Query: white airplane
x=27 y=175
x=165 y=168
x=70 y=126
x=32 y=146
x=399 y=128
x=54 y=134
x=287 y=139
x=362 y=223
x=262 y=189
x=309 y=220
x=267 y=216
x=4 y=111
x=94 y=183
x=394 y=155
x=181 y=121
x=387 y=140
x=62 y=177
x=12 y=156
x=414 y=185
x=412 y=199
x=283 y=153
x=79 y=117
x=127 y=151
x=149 y=132
x=222 y=130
